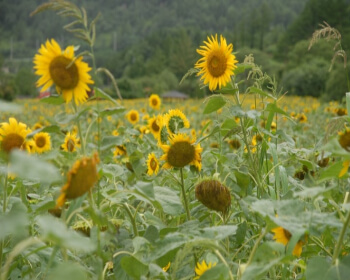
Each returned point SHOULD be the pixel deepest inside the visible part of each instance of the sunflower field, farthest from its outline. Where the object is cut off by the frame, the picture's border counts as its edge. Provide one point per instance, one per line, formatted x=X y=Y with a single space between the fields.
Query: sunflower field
x=248 y=183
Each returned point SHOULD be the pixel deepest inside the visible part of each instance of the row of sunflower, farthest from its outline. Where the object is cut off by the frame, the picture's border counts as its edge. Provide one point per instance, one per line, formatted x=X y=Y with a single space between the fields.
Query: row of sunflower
x=235 y=187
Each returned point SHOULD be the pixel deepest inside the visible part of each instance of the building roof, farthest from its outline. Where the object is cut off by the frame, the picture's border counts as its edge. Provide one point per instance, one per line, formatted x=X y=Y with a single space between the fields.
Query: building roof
x=175 y=94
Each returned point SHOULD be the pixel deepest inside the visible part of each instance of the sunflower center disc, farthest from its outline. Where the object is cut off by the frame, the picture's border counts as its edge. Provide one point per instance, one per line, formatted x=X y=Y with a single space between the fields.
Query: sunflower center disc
x=70 y=145
x=217 y=63
x=11 y=141
x=133 y=117
x=155 y=127
x=40 y=142
x=181 y=154
x=154 y=102
x=153 y=164
x=63 y=76
x=344 y=141
x=287 y=234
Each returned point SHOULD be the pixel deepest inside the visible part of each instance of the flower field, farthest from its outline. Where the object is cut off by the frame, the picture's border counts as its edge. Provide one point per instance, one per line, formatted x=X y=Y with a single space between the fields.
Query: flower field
x=248 y=183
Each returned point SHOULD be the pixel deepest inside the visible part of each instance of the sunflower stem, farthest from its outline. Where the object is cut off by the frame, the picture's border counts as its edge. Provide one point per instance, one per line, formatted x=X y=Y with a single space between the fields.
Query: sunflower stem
x=256 y=247
x=184 y=195
x=132 y=218
x=4 y=206
x=79 y=127
x=340 y=239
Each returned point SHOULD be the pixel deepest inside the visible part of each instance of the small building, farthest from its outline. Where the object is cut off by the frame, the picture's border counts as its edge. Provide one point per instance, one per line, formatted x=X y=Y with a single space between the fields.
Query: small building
x=174 y=95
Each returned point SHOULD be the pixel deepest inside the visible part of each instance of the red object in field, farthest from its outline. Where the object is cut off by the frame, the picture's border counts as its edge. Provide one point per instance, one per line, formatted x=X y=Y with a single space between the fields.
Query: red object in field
x=44 y=94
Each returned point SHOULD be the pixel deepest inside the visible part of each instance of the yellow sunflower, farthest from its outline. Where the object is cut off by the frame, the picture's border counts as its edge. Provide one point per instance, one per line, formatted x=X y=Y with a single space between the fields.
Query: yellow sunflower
x=12 y=135
x=181 y=152
x=80 y=179
x=152 y=165
x=201 y=268
x=344 y=139
x=119 y=150
x=71 y=142
x=133 y=116
x=154 y=125
x=61 y=68
x=284 y=236
x=42 y=141
x=154 y=101
x=176 y=120
x=217 y=64
x=29 y=146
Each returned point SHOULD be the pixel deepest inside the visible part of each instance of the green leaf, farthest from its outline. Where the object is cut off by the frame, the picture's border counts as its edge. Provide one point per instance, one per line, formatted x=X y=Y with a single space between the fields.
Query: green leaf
x=348 y=103
x=320 y=268
x=101 y=94
x=145 y=189
x=64 y=118
x=218 y=272
x=241 y=68
x=68 y=271
x=55 y=231
x=55 y=100
x=52 y=129
x=331 y=172
x=272 y=107
x=133 y=267
x=169 y=200
x=31 y=167
x=214 y=103
x=256 y=269
x=110 y=141
x=261 y=92
x=112 y=111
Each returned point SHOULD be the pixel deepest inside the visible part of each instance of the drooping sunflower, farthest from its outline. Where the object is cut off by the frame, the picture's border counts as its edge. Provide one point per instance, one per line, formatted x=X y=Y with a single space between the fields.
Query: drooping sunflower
x=61 y=68
x=181 y=152
x=344 y=139
x=71 y=142
x=217 y=64
x=80 y=179
x=284 y=236
x=152 y=164
x=154 y=125
x=201 y=268
x=163 y=130
x=133 y=116
x=154 y=101
x=42 y=141
x=176 y=120
x=13 y=135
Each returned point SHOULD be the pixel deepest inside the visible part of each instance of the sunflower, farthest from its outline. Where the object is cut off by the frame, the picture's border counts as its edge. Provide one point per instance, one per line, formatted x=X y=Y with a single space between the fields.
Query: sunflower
x=181 y=152
x=119 y=150
x=62 y=68
x=153 y=124
x=71 y=142
x=133 y=116
x=42 y=141
x=152 y=164
x=234 y=144
x=344 y=139
x=166 y=268
x=154 y=101
x=201 y=268
x=80 y=179
x=29 y=146
x=12 y=135
x=176 y=120
x=163 y=130
x=345 y=168
x=284 y=236
x=217 y=64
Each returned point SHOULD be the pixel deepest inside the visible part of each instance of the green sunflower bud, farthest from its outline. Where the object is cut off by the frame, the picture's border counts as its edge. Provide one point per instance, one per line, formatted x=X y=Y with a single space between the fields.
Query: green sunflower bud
x=214 y=195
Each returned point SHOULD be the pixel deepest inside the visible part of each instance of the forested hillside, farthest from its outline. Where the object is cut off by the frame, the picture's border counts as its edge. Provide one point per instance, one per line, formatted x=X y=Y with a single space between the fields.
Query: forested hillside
x=150 y=45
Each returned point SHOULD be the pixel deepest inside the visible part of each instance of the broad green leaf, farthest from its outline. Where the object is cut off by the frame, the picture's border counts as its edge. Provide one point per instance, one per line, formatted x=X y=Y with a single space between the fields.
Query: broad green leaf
x=55 y=231
x=101 y=94
x=272 y=107
x=133 y=267
x=169 y=200
x=254 y=270
x=110 y=141
x=64 y=118
x=68 y=271
x=321 y=268
x=331 y=172
x=112 y=111
x=31 y=167
x=145 y=189
x=214 y=103
x=218 y=272
x=261 y=92
x=55 y=100
x=348 y=103
x=241 y=67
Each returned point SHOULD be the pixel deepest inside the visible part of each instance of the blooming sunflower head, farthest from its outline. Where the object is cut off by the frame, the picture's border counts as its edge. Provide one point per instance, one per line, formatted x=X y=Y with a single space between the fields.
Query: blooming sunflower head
x=284 y=236
x=42 y=141
x=71 y=142
x=80 y=179
x=234 y=144
x=154 y=125
x=133 y=116
x=152 y=164
x=181 y=152
x=214 y=195
x=12 y=135
x=119 y=150
x=217 y=64
x=62 y=69
x=154 y=101
x=344 y=139
x=201 y=268
x=175 y=120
